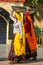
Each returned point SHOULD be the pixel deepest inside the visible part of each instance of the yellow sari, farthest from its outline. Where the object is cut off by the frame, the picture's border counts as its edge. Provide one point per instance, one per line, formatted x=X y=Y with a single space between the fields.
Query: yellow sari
x=19 y=48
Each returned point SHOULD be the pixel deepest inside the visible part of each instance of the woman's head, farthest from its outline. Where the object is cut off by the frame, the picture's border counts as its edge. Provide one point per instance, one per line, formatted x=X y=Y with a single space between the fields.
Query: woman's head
x=18 y=15
x=14 y=15
x=27 y=12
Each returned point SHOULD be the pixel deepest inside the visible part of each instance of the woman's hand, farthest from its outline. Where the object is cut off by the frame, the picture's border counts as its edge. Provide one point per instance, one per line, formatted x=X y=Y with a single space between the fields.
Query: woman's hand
x=21 y=40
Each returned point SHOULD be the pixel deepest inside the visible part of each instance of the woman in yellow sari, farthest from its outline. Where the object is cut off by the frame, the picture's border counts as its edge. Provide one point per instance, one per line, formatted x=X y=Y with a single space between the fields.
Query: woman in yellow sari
x=18 y=45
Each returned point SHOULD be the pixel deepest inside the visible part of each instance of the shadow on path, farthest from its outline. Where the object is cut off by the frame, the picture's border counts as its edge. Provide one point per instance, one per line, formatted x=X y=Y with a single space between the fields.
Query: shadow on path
x=26 y=61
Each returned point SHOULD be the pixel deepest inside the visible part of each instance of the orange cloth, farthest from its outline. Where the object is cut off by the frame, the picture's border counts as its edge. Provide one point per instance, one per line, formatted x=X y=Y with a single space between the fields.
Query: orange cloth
x=29 y=31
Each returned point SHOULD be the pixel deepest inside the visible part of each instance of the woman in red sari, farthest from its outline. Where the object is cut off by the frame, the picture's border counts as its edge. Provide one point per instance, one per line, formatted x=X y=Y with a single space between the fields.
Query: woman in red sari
x=30 y=35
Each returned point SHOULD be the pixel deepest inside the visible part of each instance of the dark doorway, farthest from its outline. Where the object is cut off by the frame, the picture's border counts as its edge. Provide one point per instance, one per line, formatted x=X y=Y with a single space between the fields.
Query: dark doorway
x=2 y=31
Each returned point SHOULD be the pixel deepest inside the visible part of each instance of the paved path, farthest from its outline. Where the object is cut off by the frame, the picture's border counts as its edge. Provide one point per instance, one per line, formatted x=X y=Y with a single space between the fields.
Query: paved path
x=39 y=60
x=28 y=63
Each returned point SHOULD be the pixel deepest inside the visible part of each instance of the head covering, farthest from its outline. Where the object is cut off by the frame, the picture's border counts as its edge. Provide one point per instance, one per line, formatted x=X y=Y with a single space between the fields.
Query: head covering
x=18 y=16
x=27 y=12
x=15 y=15
x=28 y=8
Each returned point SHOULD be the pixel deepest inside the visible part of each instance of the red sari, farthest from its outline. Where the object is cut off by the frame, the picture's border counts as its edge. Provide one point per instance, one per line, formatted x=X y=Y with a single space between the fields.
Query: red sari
x=29 y=31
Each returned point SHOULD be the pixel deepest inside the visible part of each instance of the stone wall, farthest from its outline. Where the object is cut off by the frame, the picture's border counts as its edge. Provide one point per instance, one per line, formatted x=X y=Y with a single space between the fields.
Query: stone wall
x=7 y=5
